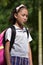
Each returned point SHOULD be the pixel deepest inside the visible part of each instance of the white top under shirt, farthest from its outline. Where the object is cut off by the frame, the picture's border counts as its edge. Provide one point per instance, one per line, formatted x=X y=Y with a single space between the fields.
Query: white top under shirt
x=20 y=46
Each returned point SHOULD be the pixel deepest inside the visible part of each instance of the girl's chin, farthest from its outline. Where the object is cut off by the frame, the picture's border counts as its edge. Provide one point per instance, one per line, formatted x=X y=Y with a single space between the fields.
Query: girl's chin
x=23 y=23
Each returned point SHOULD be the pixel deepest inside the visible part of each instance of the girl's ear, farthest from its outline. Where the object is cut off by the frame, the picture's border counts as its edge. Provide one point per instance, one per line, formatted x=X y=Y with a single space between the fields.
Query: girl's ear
x=15 y=15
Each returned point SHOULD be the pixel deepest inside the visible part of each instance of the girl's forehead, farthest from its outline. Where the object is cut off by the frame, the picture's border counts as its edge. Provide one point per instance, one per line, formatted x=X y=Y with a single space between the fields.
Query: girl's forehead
x=23 y=10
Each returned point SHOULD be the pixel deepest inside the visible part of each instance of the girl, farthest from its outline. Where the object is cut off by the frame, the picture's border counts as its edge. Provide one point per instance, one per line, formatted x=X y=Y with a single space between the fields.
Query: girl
x=21 y=52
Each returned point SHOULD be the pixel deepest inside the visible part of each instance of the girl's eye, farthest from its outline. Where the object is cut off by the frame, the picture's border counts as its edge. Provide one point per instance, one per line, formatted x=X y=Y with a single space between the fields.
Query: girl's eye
x=25 y=15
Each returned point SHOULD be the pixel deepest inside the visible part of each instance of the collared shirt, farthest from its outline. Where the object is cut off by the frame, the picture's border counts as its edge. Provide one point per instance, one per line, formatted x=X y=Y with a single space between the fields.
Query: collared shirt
x=20 y=46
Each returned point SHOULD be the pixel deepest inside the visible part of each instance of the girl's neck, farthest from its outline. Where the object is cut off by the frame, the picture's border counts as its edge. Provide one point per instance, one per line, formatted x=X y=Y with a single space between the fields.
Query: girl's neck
x=18 y=25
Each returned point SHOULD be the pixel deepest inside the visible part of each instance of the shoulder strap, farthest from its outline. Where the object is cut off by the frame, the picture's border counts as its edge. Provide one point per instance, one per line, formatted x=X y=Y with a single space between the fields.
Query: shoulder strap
x=27 y=33
x=12 y=36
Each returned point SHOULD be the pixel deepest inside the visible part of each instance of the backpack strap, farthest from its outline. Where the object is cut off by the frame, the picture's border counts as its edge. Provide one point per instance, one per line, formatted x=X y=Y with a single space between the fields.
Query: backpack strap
x=12 y=36
x=27 y=32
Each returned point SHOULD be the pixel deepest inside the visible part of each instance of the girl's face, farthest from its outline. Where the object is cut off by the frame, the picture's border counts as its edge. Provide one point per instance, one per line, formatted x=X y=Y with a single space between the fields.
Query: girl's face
x=22 y=16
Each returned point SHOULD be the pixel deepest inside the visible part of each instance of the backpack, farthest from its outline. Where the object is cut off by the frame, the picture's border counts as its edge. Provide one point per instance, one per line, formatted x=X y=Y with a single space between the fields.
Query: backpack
x=2 y=44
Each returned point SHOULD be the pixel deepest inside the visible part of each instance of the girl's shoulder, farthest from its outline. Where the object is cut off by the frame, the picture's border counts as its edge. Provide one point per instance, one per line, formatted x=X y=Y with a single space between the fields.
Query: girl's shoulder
x=8 y=30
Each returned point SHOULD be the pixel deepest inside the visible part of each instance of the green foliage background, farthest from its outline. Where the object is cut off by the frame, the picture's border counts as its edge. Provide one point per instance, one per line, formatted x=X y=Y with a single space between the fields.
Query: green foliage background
x=6 y=7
